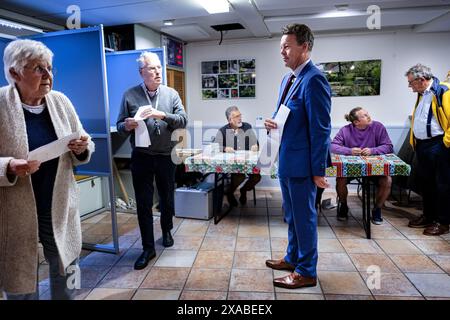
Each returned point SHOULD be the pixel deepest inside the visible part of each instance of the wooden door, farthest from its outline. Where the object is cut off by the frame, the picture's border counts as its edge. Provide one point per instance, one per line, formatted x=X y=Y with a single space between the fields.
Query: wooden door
x=175 y=80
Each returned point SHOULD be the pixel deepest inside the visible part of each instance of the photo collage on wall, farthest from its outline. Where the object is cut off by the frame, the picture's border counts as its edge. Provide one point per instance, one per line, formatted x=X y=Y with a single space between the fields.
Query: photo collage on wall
x=228 y=79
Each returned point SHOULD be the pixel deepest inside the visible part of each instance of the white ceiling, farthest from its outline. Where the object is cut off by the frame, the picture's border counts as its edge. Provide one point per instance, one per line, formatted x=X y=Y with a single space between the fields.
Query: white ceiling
x=261 y=18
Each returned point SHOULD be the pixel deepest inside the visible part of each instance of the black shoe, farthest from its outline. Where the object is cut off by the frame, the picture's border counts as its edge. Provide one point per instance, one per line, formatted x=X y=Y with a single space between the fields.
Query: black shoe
x=167 y=239
x=144 y=258
x=243 y=197
x=342 y=211
x=376 y=216
x=232 y=200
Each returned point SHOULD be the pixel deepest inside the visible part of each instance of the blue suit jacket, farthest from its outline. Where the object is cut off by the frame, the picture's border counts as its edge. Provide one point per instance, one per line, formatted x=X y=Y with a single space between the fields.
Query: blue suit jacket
x=305 y=144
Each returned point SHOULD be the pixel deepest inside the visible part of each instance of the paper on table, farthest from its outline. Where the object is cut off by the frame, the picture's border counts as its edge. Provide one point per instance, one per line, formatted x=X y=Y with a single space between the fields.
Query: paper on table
x=269 y=151
x=141 y=136
x=53 y=149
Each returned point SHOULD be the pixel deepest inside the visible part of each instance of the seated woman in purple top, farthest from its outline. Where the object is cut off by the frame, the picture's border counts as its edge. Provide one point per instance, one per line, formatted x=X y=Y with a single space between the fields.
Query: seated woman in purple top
x=362 y=137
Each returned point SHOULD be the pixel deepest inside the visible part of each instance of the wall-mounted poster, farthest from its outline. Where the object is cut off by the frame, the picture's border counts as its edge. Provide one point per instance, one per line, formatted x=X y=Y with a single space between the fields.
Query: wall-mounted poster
x=174 y=51
x=228 y=79
x=353 y=78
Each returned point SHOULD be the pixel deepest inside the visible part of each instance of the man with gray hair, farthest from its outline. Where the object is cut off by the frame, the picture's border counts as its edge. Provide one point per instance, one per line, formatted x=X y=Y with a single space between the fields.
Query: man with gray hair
x=238 y=135
x=165 y=115
x=430 y=137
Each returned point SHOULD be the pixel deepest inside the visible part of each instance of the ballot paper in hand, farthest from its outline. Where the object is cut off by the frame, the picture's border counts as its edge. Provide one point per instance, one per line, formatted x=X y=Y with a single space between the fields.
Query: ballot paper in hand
x=141 y=136
x=53 y=149
x=138 y=115
x=269 y=151
x=280 y=119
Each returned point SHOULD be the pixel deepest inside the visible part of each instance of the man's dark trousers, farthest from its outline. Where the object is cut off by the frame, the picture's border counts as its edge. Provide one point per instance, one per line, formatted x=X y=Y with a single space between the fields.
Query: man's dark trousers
x=145 y=167
x=434 y=176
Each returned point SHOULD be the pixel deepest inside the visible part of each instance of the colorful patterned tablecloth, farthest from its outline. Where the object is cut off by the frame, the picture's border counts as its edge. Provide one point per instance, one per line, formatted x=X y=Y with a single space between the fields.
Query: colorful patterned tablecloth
x=343 y=166
x=364 y=166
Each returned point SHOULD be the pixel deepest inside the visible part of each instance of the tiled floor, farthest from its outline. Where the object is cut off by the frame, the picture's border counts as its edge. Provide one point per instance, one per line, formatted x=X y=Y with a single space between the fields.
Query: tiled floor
x=227 y=261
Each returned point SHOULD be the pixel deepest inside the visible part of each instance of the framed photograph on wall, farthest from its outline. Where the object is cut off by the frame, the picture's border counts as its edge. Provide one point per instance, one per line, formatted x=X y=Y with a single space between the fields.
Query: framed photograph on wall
x=228 y=79
x=353 y=78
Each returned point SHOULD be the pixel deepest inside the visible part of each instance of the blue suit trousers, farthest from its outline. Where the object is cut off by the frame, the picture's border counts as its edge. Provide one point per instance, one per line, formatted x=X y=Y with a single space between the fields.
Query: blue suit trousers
x=300 y=214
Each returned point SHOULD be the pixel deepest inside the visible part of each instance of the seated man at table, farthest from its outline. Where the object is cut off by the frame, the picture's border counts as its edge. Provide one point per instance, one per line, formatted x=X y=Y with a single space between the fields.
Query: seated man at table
x=362 y=137
x=234 y=136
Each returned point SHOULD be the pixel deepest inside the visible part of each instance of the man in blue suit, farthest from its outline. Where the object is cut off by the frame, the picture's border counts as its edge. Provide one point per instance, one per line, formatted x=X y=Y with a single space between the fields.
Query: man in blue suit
x=303 y=155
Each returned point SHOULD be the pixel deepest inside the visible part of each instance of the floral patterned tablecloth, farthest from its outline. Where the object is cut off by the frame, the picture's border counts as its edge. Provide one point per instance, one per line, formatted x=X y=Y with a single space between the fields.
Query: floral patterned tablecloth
x=343 y=166
x=239 y=162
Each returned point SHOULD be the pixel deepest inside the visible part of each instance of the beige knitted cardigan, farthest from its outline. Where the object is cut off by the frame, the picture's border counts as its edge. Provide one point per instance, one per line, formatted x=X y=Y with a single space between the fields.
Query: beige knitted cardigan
x=18 y=217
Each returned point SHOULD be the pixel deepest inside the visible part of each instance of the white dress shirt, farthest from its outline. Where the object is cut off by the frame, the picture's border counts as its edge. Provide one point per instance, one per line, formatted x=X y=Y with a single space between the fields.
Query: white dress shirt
x=299 y=69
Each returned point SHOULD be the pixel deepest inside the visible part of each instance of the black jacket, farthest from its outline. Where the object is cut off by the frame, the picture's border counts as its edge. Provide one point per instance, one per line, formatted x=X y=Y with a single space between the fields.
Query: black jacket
x=243 y=140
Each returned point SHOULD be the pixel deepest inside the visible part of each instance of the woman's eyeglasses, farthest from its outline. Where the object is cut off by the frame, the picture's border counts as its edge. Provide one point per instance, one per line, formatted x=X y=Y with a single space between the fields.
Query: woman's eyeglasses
x=40 y=70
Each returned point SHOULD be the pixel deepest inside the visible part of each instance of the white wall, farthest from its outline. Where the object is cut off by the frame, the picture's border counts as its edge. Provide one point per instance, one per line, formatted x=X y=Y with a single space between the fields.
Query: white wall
x=397 y=50
x=145 y=38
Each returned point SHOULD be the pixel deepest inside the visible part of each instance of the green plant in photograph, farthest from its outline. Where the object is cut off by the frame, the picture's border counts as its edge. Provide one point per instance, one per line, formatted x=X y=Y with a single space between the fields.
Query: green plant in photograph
x=228 y=80
x=247 y=78
x=247 y=91
x=209 y=94
x=353 y=78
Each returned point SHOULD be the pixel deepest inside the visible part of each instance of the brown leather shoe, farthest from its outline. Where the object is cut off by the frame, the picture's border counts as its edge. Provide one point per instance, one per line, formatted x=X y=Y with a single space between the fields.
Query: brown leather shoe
x=294 y=281
x=436 y=229
x=280 y=264
x=420 y=222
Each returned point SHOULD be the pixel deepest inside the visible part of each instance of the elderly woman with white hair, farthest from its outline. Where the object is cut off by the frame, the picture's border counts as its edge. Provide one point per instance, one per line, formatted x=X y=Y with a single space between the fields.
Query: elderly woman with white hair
x=164 y=113
x=38 y=200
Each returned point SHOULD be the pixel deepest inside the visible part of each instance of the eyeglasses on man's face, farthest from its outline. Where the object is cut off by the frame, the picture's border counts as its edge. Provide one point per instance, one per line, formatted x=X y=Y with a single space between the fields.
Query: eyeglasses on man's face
x=410 y=82
x=41 y=70
x=152 y=68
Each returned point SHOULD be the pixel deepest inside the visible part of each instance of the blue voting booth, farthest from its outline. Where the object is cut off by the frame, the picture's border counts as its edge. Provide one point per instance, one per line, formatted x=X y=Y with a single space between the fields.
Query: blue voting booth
x=94 y=82
x=123 y=73
x=79 y=61
x=81 y=71
x=3 y=44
